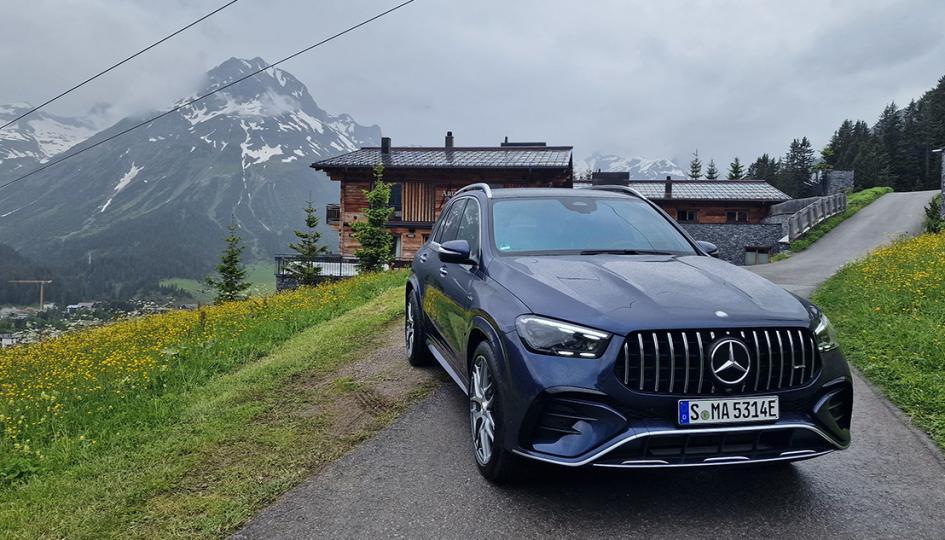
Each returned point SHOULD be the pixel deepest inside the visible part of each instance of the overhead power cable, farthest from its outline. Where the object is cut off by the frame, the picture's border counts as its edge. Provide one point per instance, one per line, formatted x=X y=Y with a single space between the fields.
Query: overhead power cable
x=204 y=96
x=103 y=72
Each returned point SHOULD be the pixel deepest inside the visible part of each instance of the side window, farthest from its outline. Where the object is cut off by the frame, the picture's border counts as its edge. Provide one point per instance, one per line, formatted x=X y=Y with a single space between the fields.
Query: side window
x=469 y=226
x=447 y=229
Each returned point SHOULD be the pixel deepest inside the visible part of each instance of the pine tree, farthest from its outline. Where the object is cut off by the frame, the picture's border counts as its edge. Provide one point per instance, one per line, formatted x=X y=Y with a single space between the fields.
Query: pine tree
x=304 y=269
x=695 y=167
x=232 y=282
x=735 y=170
x=911 y=150
x=765 y=168
x=712 y=172
x=376 y=241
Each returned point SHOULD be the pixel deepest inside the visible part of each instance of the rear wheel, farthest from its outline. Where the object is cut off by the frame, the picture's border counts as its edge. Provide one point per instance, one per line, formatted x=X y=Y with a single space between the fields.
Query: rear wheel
x=485 y=418
x=415 y=342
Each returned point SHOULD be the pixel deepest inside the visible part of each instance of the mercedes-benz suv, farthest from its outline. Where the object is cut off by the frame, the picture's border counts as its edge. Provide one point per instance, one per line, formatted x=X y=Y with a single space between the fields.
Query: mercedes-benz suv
x=589 y=329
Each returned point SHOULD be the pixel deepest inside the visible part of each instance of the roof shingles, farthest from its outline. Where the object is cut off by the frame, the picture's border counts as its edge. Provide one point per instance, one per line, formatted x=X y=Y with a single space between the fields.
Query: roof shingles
x=708 y=190
x=421 y=158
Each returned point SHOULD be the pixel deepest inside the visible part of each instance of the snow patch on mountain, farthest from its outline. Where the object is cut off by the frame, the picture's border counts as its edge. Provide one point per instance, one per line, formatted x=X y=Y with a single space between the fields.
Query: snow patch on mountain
x=128 y=177
x=640 y=168
x=40 y=135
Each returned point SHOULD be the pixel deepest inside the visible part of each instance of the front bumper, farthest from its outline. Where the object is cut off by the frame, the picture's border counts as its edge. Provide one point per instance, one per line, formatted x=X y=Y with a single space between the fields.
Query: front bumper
x=575 y=412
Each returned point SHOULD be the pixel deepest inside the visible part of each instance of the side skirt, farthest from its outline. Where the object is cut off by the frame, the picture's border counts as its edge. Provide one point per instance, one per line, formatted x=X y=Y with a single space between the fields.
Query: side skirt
x=446 y=367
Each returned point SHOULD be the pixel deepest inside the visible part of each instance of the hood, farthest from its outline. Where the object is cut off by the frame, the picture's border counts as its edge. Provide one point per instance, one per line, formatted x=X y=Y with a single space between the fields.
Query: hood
x=620 y=293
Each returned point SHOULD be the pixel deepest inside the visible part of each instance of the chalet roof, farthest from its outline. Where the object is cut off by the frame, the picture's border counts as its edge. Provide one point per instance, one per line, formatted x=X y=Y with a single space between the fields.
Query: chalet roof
x=506 y=157
x=711 y=190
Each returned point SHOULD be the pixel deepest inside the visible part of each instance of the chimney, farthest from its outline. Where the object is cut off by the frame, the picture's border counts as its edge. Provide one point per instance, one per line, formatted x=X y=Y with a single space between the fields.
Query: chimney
x=385 y=145
x=668 y=192
x=449 y=139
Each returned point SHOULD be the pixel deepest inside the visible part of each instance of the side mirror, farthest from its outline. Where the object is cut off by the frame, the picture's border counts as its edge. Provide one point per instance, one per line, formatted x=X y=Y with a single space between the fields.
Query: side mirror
x=454 y=251
x=711 y=249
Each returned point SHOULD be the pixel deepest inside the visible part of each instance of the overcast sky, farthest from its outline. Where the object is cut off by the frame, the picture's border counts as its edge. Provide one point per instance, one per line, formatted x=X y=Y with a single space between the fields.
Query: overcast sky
x=654 y=79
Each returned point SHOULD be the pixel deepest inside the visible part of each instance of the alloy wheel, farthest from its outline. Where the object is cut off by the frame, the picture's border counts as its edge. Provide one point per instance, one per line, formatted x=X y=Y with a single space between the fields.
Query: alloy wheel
x=409 y=329
x=481 y=407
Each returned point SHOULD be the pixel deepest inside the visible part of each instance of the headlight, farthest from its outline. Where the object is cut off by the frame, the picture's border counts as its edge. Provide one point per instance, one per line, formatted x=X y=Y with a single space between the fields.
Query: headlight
x=560 y=338
x=825 y=334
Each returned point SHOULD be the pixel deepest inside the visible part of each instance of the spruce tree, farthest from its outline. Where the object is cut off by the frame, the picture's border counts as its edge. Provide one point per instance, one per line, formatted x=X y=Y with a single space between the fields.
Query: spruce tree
x=695 y=166
x=305 y=270
x=712 y=172
x=765 y=168
x=736 y=171
x=232 y=282
x=376 y=241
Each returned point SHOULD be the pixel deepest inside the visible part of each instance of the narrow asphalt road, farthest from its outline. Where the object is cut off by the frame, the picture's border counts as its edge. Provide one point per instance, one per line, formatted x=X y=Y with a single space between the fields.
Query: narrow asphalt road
x=417 y=479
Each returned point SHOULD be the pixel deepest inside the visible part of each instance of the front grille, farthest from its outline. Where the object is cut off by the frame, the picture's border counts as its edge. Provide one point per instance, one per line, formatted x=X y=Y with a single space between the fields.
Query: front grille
x=676 y=361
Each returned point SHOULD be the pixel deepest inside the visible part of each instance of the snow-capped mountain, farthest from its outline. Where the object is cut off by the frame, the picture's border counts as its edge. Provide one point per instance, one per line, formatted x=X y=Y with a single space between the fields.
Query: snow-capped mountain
x=39 y=136
x=161 y=196
x=639 y=168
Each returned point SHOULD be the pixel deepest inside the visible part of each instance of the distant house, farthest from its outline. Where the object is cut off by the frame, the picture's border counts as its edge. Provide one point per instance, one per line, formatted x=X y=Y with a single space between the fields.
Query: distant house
x=72 y=309
x=729 y=213
x=424 y=178
x=7 y=340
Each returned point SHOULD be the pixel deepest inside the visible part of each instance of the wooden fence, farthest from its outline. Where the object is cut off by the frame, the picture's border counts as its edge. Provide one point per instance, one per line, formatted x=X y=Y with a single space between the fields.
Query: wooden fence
x=822 y=208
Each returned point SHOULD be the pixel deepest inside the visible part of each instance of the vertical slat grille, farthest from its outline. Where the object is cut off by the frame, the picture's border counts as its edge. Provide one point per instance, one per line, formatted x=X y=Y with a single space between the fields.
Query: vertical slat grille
x=418 y=202
x=676 y=361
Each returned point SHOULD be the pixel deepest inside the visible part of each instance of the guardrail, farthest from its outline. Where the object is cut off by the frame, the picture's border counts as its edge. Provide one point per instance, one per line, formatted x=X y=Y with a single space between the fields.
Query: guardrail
x=812 y=214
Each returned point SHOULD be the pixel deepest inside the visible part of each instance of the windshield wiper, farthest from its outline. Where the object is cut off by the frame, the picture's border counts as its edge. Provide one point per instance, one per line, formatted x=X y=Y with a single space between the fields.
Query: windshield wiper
x=623 y=252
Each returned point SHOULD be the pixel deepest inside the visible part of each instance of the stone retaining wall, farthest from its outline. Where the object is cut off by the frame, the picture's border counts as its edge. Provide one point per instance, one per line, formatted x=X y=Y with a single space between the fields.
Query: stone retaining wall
x=732 y=238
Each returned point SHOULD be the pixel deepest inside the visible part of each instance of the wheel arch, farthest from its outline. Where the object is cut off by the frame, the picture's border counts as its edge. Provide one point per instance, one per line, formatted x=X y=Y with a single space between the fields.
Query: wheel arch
x=482 y=330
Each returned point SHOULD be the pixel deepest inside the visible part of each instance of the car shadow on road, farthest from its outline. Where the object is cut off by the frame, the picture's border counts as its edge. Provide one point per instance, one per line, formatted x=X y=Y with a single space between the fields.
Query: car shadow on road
x=753 y=492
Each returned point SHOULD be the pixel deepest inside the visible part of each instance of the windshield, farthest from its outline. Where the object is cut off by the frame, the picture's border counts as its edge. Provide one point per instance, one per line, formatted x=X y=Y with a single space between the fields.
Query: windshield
x=583 y=225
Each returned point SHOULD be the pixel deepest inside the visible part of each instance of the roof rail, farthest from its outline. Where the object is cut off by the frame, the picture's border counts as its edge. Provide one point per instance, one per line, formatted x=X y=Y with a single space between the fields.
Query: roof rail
x=482 y=186
x=617 y=189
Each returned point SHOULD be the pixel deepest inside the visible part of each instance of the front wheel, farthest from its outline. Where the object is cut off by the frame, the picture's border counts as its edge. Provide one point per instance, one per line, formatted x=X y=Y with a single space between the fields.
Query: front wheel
x=485 y=418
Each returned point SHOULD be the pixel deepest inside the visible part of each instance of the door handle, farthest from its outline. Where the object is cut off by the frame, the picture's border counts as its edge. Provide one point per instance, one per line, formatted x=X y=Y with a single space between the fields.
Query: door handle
x=423 y=257
x=443 y=271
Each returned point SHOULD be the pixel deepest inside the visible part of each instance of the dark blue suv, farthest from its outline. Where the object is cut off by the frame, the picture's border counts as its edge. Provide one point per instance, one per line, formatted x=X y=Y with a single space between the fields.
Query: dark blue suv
x=589 y=329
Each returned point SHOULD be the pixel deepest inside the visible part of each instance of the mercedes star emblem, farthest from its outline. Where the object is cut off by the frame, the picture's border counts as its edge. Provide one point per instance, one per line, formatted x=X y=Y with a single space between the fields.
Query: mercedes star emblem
x=729 y=360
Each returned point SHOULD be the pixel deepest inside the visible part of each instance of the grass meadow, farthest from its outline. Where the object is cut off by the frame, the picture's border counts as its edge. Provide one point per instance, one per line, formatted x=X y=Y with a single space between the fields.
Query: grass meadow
x=889 y=310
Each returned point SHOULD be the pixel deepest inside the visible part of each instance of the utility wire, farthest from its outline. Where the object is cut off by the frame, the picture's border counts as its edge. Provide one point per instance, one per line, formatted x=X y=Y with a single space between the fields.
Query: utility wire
x=99 y=74
x=204 y=96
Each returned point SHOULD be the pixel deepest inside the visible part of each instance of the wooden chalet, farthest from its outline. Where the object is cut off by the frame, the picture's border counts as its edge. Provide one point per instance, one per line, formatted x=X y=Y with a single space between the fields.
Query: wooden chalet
x=424 y=178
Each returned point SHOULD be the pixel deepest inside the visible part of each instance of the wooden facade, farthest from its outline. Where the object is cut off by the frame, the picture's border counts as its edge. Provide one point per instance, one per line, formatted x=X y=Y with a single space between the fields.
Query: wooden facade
x=717 y=212
x=420 y=192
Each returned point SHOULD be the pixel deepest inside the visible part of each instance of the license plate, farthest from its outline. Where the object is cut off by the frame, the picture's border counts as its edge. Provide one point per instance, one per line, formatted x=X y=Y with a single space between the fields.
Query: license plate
x=727 y=411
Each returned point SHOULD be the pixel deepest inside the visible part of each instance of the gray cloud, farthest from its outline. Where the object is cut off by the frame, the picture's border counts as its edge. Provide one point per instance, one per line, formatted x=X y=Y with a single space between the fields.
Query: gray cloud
x=636 y=78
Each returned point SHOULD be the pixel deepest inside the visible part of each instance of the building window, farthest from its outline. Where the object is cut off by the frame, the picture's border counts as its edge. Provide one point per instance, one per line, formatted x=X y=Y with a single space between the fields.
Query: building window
x=736 y=216
x=397 y=246
x=397 y=201
x=757 y=255
x=686 y=216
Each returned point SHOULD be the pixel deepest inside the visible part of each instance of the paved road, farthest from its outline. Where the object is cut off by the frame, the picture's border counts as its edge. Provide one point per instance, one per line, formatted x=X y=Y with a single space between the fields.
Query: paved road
x=890 y=217
x=418 y=479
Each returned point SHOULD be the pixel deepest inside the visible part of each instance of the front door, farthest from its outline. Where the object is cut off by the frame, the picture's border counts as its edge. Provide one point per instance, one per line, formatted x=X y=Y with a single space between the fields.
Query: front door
x=458 y=286
x=435 y=273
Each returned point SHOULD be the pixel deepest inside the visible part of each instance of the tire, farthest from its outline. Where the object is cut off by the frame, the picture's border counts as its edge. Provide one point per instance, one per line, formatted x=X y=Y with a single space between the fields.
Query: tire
x=415 y=342
x=495 y=463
